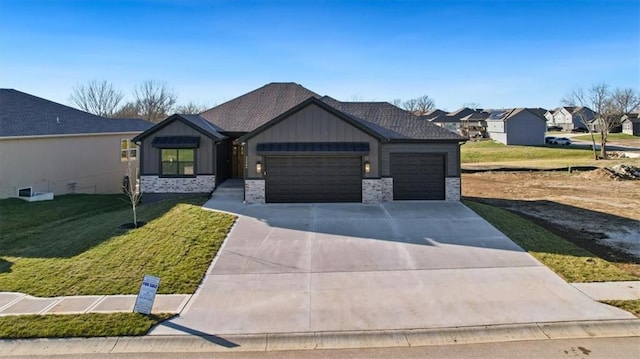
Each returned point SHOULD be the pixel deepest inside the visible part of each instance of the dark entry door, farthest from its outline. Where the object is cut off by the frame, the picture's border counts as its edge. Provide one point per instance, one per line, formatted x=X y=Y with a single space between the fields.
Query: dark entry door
x=237 y=161
x=313 y=179
x=418 y=176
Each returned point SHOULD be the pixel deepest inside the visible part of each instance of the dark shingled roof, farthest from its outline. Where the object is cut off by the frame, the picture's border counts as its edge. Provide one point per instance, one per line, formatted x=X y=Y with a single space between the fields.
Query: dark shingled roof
x=22 y=114
x=433 y=114
x=252 y=110
x=391 y=121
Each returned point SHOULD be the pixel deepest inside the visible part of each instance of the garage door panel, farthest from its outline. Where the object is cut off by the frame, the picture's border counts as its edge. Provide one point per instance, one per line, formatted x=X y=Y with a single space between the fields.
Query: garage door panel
x=313 y=179
x=418 y=176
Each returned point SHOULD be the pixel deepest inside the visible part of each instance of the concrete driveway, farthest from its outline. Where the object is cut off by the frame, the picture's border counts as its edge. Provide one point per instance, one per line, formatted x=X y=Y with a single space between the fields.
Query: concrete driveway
x=343 y=267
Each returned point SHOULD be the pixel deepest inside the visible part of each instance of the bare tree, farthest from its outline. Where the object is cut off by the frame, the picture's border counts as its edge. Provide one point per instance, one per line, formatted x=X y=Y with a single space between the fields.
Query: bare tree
x=410 y=105
x=129 y=110
x=625 y=100
x=191 y=108
x=131 y=190
x=97 y=97
x=155 y=100
x=609 y=107
x=396 y=102
x=424 y=104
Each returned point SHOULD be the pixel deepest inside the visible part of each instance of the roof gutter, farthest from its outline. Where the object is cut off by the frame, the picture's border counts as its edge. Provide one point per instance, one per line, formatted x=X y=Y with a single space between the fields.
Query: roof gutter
x=69 y=135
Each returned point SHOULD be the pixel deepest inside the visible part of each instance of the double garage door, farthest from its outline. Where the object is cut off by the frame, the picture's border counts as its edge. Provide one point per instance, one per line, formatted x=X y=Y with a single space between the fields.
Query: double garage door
x=304 y=179
x=418 y=176
x=313 y=179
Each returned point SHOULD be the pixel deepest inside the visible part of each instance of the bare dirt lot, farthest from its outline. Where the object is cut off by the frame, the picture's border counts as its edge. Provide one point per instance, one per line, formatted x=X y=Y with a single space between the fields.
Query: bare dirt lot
x=591 y=209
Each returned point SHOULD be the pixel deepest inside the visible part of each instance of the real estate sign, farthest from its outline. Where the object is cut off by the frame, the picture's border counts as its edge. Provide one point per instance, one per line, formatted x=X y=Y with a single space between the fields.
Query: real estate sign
x=147 y=294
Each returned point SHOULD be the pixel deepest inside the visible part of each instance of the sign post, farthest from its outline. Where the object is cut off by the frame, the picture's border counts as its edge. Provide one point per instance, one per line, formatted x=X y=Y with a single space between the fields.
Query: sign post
x=147 y=294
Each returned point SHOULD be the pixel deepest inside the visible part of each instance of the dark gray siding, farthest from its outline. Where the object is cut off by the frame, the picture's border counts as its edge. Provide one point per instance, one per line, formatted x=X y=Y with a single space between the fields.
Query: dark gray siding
x=451 y=150
x=205 y=154
x=312 y=124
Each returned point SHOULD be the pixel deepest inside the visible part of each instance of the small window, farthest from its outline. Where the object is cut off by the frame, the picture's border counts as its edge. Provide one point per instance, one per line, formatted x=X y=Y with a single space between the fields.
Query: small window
x=178 y=162
x=128 y=150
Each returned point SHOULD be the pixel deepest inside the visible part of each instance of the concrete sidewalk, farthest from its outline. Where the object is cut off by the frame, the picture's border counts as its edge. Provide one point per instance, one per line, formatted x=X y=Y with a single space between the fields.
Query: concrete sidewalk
x=12 y=303
x=20 y=304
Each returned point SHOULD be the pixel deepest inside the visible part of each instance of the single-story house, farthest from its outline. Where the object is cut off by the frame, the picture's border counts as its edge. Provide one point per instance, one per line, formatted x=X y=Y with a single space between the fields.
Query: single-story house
x=290 y=144
x=518 y=126
x=54 y=148
x=631 y=124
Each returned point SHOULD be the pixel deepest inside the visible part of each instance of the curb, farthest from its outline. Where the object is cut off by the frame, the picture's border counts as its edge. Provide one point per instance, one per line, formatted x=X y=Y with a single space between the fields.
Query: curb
x=323 y=340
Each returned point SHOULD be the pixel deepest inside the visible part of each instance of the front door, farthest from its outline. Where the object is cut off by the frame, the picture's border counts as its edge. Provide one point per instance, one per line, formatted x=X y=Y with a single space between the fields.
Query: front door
x=237 y=161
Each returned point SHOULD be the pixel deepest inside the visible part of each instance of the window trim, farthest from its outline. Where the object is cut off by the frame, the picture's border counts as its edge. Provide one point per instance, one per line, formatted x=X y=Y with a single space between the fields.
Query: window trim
x=131 y=147
x=195 y=161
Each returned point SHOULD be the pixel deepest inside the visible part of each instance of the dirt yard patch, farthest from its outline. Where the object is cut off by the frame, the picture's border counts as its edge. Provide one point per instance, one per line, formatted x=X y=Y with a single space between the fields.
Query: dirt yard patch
x=591 y=209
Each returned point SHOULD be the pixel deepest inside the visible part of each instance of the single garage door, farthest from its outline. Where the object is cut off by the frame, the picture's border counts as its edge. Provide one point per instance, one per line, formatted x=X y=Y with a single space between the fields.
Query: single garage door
x=313 y=179
x=418 y=176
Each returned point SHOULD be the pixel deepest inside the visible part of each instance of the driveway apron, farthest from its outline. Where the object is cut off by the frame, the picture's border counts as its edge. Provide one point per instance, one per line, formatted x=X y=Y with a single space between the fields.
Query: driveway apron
x=343 y=267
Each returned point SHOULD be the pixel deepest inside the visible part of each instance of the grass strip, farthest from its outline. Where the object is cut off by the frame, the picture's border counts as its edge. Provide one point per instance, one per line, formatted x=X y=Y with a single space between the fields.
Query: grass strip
x=632 y=306
x=610 y=137
x=569 y=261
x=78 y=325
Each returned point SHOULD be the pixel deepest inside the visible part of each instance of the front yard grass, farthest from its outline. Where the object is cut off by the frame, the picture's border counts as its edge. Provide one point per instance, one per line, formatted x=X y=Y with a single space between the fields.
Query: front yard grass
x=80 y=249
x=569 y=261
x=78 y=325
x=491 y=151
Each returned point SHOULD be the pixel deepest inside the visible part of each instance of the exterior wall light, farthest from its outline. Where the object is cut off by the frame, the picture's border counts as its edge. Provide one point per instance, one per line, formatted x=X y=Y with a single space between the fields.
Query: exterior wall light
x=259 y=167
x=367 y=166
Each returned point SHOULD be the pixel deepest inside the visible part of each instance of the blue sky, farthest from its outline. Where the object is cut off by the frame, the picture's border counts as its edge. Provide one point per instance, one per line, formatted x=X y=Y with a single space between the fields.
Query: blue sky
x=494 y=53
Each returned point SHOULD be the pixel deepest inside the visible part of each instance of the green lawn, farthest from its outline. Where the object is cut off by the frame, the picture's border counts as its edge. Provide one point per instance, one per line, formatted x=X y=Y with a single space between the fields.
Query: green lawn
x=571 y=262
x=78 y=325
x=73 y=245
x=611 y=137
x=491 y=151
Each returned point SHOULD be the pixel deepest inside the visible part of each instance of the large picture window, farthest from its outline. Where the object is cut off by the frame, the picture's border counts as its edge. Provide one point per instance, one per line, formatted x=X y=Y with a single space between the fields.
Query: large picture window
x=178 y=162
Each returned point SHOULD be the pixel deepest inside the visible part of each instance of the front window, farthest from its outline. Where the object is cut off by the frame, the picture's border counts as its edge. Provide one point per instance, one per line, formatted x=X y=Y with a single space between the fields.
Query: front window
x=178 y=162
x=128 y=150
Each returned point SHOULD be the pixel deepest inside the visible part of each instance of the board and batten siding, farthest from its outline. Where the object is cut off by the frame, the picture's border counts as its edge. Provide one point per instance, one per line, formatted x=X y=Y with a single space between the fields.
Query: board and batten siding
x=205 y=154
x=451 y=150
x=311 y=124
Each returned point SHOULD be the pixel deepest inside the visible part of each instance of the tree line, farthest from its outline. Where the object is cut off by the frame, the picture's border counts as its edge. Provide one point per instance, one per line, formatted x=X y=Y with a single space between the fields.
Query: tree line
x=152 y=100
x=417 y=106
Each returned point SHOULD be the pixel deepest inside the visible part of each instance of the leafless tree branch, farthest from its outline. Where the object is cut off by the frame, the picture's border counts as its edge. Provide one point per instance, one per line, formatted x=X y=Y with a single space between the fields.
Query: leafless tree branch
x=97 y=97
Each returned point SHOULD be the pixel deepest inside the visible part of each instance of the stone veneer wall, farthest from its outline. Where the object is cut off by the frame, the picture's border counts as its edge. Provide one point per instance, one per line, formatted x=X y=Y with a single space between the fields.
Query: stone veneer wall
x=387 y=189
x=254 y=191
x=371 y=191
x=452 y=189
x=157 y=184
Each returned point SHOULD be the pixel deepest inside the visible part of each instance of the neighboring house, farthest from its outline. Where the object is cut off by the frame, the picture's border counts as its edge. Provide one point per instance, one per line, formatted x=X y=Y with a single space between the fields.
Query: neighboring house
x=570 y=117
x=631 y=124
x=55 y=148
x=290 y=144
x=433 y=114
x=518 y=126
x=474 y=125
x=451 y=121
